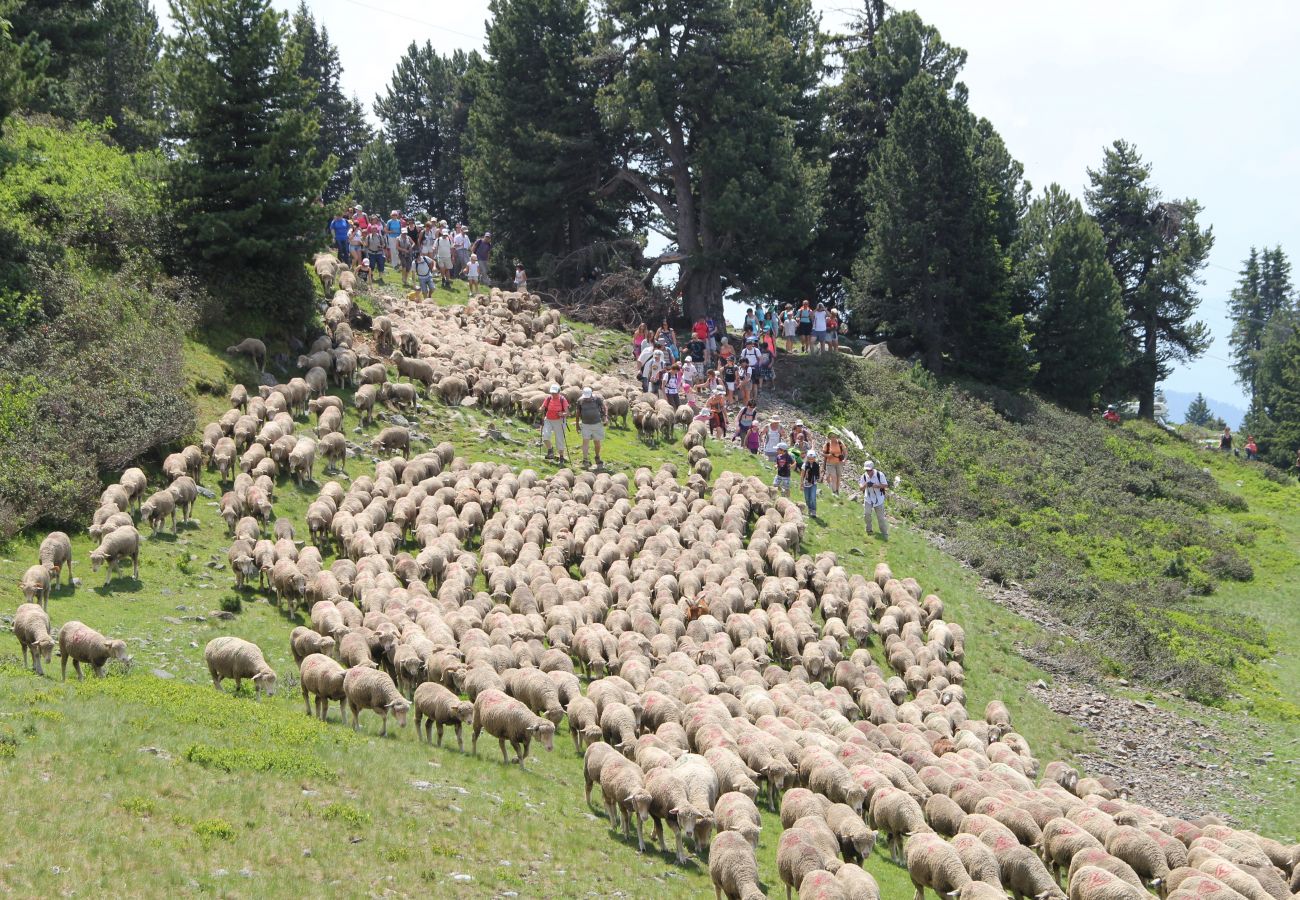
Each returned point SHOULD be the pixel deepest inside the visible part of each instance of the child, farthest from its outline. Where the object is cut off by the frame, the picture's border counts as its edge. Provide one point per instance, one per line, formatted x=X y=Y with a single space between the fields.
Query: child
x=784 y=462
x=471 y=273
x=521 y=278
x=745 y=424
x=752 y=440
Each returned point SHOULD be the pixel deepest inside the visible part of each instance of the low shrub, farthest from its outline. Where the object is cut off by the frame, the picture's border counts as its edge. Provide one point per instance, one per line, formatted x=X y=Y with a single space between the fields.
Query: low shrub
x=214 y=829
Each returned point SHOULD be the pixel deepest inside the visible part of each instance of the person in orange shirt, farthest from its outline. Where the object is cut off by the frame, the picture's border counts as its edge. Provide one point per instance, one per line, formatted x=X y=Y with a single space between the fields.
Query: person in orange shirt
x=555 y=411
x=833 y=455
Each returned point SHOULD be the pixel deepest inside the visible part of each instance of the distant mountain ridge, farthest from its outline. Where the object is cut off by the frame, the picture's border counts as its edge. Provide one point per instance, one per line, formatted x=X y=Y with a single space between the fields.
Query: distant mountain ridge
x=1179 y=401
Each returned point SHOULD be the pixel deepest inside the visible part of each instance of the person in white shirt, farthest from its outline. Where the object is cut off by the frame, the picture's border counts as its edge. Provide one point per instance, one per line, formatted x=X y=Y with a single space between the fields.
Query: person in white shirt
x=772 y=439
x=874 y=484
x=460 y=250
x=689 y=374
x=819 y=327
x=651 y=366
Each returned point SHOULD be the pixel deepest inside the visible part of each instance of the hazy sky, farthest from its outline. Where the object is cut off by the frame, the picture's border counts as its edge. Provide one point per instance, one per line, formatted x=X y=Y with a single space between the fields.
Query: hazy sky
x=1202 y=89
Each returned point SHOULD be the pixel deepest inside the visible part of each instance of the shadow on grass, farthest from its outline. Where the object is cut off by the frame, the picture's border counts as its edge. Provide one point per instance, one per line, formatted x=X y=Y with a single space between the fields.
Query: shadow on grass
x=121 y=584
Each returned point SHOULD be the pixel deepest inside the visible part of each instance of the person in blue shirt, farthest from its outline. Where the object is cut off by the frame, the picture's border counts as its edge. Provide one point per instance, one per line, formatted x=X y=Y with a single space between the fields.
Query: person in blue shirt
x=339 y=231
x=393 y=230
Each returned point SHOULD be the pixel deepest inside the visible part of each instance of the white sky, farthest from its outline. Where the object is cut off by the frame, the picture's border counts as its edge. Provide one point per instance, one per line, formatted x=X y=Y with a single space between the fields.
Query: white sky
x=1206 y=91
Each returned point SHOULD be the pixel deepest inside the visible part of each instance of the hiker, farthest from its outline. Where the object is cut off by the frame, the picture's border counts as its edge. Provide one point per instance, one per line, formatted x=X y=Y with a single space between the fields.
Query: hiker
x=729 y=378
x=339 y=232
x=355 y=241
x=805 y=330
x=1225 y=440
x=638 y=340
x=789 y=327
x=783 y=462
x=442 y=254
x=672 y=382
x=424 y=269
x=690 y=374
x=799 y=435
x=473 y=271
x=874 y=484
x=376 y=252
x=1252 y=449
x=745 y=423
x=812 y=473
x=555 y=410
x=592 y=418
x=751 y=440
x=365 y=273
x=833 y=329
x=482 y=248
x=460 y=248
x=833 y=454
x=711 y=342
x=772 y=438
x=819 y=327
x=405 y=256
x=1111 y=415
x=521 y=278
x=392 y=232
x=717 y=407
x=749 y=322
x=652 y=364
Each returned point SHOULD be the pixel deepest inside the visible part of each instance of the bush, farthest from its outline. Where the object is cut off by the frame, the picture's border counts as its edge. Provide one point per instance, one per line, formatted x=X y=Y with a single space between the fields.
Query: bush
x=231 y=603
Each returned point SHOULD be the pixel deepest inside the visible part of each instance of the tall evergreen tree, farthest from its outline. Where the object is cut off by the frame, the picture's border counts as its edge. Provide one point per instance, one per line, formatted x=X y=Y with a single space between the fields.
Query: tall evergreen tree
x=424 y=112
x=343 y=130
x=120 y=81
x=538 y=151
x=246 y=175
x=702 y=94
x=377 y=180
x=1198 y=412
x=882 y=54
x=1065 y=288
x=13 y=73
x=1274 y=416
x=1157 y=251
x=55 y=38
x=933 y=270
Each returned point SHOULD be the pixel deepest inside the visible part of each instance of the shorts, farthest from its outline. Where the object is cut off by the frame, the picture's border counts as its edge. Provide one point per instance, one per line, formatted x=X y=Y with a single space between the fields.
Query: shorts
x=820 y=336
x=781 y=481
x=675 y=400
x=444 y=262
x=426 y=283
x=593 y=432
x=805 y=329
x=771 y=455
x=553 y=427
x=833 y=469
x=711 y=345
x=407 y=260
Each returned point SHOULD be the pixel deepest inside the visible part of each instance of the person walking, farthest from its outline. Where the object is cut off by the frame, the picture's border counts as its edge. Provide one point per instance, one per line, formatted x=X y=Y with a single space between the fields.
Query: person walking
x=555 y=411
x=652 y=366
x=1225 y=440
x=424 y=269
x=393 y=231
x=442 y=253
x=812 y=474
x=376 y=252
x=784 y=461
x=405 y=256
x=473 y=272
x=460 y=249
x=789 y=327
x=819 y=327
x=717 y=407
x=638 y=340
x=745 y=423
x=805 y=318
x=339 y=230
x=482 y=248
x=593 y=416
x=1252 y=449
x=772 y=439
x=356 y=242
x=833 y=453
x=521 y=278
x=874 y=484
x=833 y=329
x=672 y=381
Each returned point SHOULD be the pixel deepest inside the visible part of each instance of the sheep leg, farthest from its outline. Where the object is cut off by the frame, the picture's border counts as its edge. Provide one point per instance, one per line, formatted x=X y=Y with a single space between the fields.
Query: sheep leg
x=460 y=742
x=681 y=852
x=502 y=742
x=64 y=659
x=920 y=892
x=640 y=840
x=356 y=714
x=305 y=701
x=438 y=729
x=76 y=664
x=135 y=560
x=383 y=730
x=34 y=659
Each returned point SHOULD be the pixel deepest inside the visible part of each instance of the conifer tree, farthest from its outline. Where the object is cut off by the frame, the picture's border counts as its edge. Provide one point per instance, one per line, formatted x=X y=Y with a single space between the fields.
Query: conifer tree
x=377 y=181
x=1198 y=412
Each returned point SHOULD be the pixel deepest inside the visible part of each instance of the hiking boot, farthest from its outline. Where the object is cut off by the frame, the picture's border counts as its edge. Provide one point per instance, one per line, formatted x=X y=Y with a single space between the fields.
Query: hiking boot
x=598 y=462
x=586 y=463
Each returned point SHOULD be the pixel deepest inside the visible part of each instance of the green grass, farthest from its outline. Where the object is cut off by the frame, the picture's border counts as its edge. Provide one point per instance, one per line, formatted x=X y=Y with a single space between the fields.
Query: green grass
x=162 y=781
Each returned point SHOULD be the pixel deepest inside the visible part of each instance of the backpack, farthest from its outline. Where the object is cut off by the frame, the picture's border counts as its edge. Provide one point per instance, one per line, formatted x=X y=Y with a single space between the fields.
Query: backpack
x=591 y=410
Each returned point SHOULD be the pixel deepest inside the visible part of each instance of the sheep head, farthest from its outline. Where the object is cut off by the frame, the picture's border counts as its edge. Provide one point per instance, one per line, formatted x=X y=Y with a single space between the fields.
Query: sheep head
x=266 y=682
x=545 y=732
x=399 y=708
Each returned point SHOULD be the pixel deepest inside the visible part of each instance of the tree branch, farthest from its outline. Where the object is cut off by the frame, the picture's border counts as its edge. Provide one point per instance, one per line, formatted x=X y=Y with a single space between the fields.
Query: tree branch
x=637 y=181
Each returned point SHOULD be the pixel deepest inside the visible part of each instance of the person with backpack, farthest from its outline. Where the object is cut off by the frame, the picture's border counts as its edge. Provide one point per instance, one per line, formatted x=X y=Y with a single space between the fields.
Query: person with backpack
x=745 y=423
x=555 y=412
x=672 y=382
x=405 y=256
x=482 y=248
x=424 y=269
x=393 y=231
x=833 y=454
x=717 y=407
x=652 y=365
x=784 y=461
x=339 y=231
x=442 y=254
x=811 y=472
x=376 y=252
x=874 y=485
x=592 y=418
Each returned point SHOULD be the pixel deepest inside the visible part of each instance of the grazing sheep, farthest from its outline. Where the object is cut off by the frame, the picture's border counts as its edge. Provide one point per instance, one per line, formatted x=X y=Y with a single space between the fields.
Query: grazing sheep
x=118 y=545
x=83 y=644
x=250 y=347
x=736 y=812
x=897 y=815
x=371 y=689
x=302 y=459
x=669 y=802
x=1092 y=883
x=55 y=553
x=303 y=642
x=1024 y=874
x=354 y=650
x=856 y=839
x=799 y=853
x=978 y=859
x=288 y=583
x=184 y=492
x=393 y=438
x=821 y=885
x=32 y=628
x=232 y=657
x=622 y=787
x=943 y=814
x=157 y=508
x=441 y=707
x=322 y=676
x=1141 y=852
x=506 y=719
x=1062 y=840
x=584 y=724
x=35 y=585
x=733 y=869
x=933 y=863
x=799 y=802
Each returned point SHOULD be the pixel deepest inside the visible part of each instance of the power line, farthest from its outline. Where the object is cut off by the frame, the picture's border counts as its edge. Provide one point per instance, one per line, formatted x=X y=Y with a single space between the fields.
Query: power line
x=398 y=15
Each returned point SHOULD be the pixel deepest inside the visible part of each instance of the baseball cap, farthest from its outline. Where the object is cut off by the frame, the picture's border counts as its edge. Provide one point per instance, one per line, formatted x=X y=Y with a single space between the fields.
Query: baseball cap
x=396 y=212
x=586 y=392
x=812 y=454
x=365 y=263
x=555 y=389
x=688 y=359
x=869 y=465
x=783 y=446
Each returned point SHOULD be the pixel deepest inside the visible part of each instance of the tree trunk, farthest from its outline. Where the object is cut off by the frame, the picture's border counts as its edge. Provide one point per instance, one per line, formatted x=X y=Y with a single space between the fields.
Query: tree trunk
x=1150 y=369
x=701 y=293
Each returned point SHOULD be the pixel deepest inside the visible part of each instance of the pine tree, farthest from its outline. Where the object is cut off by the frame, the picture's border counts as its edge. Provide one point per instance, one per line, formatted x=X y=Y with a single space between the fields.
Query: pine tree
x=246 y=175
x=706 y=96
x=121 y=82
x=1198 y=412
x=377 y=181
x=1157 y=251
x=882 y=54
x=1064 y=286
x=424 y=114
x=14 y=73
x=343 y=130
x=1248 y=323
x=56 y=38
x=538 y=151
x=933 y=270
x=1274 y=417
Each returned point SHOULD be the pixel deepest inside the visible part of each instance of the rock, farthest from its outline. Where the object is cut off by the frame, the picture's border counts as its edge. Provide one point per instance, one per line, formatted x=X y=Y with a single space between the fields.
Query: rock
x=163 y=674
x=306 y=852
x=182 y=608
x=469 y=401
x=172 y=620
x=266 y=378
x=421 y=785
x=221 y=614
x=308 y=792
x=205 y=492
x=76 y=582
x=399 y=420
x=461 y=876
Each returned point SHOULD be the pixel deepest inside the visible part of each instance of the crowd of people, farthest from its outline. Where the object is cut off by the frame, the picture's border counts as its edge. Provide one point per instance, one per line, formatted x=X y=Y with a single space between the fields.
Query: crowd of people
x=423 y=250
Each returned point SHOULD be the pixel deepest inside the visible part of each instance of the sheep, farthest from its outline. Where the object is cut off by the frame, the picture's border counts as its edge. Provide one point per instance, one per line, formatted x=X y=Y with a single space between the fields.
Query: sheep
x=1092 y=883
x=797 y=854
x=366 y=688
x=32 y=628
x=943 y=814
x=35 y=585
x=622 y=787
x=119 y=544
x=392 y=438
x=799 y=802
x=933 y=863
x=669 y=802
x=232 y=657
x=157 y=508
x=320 y=675
x=584 y=724
x=303 y=642
x=184 y=493
x=302 y=459
x=736 y=812
x=441 y=707
x=980 y=890
x=250 y=347
x=1141 y=852
x=55 y=553
x=354 y=650
x=856 y=839
x=897 y=815
x=1024 y=874
x=980 y=862
x=1062 y=840
x=287 y=582
x=733 y=868
x=81 y=643
x=618 y=726
x=506 y=719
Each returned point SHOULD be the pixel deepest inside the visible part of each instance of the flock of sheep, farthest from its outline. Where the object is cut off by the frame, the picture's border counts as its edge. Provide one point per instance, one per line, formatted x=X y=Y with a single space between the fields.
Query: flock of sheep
x=701 y=663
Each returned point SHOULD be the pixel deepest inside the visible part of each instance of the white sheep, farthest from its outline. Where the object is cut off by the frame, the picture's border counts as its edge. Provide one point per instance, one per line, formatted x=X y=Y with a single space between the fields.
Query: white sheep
x=232 y=657
x=119 y=544
x=32 y=628
x=439 y=706
x=733 y=868
x=82 y=644
x=35 y=585
x=371 y=689
x=55 y=553
x=250 y=347
x=320 y=675
x=506 y=719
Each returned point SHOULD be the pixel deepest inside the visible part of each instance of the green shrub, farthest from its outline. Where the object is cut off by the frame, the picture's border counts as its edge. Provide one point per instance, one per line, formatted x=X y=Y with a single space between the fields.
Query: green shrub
x=345 y=813
x=214 y=829
x=231 y=603
x=139 y=806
